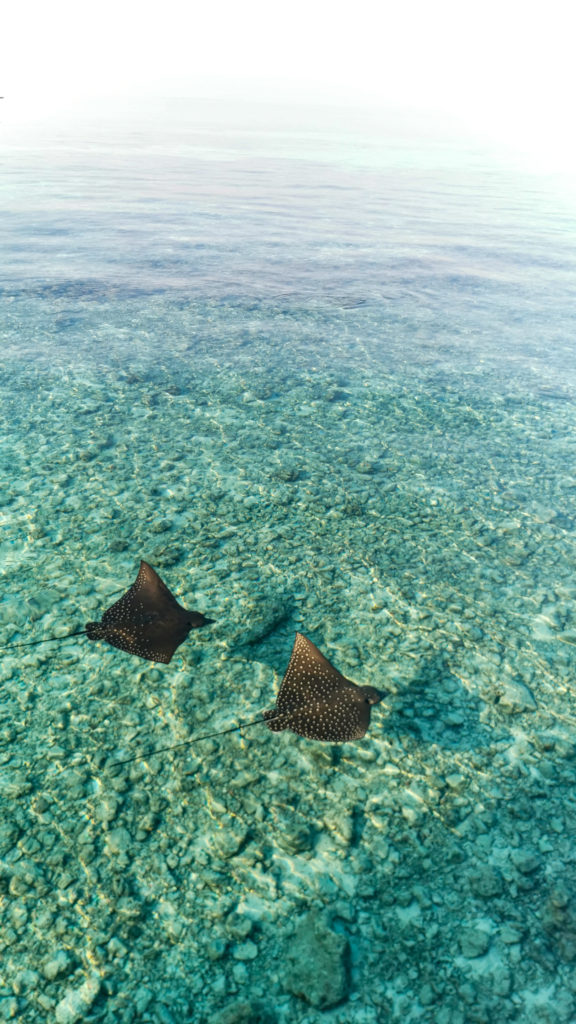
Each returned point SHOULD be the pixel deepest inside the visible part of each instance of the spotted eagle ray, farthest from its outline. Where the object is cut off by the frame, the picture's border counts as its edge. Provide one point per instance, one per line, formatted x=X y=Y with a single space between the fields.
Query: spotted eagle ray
x=315 y=701
x=147 y=621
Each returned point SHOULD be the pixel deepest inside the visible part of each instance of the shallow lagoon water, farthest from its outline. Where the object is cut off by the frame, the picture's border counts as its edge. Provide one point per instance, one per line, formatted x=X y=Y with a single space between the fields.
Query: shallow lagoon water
x=321 y=376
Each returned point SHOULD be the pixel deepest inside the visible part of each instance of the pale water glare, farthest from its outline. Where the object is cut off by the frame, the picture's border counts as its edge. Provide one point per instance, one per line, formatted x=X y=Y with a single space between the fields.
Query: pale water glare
x=318 y=370
x=502 y=69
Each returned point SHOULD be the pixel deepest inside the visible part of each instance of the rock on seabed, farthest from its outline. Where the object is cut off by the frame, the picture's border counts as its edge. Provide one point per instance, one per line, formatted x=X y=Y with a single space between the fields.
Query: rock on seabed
x=317 y=968
x=515 y=697
x=77 y=1002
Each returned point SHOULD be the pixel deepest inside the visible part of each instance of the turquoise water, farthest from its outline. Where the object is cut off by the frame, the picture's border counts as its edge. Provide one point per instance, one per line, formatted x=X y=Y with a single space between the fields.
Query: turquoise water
x=320 y=374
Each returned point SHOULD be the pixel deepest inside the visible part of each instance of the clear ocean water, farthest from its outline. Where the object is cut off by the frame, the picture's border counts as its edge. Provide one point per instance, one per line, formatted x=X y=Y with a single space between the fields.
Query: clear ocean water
x=319 y=371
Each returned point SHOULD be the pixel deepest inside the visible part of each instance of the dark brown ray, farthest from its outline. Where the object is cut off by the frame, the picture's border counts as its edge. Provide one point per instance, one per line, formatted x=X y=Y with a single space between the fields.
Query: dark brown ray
x=146 y=621
x=315 y=701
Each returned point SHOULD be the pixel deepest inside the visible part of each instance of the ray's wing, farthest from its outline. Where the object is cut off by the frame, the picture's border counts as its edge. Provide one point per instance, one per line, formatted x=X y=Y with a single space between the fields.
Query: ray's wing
x=339 y=720
x=309 y=677
x=148 y=596
x=132 y=640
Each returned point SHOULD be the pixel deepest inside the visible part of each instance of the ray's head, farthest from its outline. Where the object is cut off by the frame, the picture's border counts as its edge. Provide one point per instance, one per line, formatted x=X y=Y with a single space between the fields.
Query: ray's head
x=371 y=695
x=196 y=620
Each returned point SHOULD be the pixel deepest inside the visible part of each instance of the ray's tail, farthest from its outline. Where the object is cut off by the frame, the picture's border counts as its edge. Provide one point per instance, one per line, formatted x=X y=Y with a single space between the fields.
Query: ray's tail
x=46 y=640
x=187 y=743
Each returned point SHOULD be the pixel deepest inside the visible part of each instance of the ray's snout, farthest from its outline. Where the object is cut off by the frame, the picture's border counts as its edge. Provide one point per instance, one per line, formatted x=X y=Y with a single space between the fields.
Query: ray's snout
x=372 y=695
x=201 y=620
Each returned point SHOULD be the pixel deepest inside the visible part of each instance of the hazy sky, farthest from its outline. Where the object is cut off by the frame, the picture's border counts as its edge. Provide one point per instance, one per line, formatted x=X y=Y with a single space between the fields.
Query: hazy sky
x=506 y=66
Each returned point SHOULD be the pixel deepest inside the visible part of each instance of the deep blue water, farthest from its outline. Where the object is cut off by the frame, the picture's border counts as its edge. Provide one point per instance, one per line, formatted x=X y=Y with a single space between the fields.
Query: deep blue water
x=318 y=369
